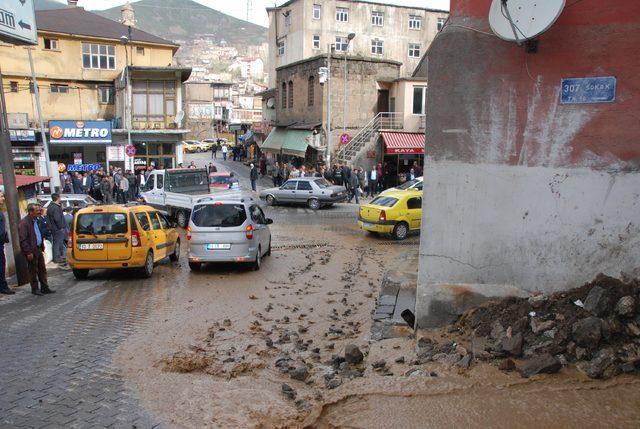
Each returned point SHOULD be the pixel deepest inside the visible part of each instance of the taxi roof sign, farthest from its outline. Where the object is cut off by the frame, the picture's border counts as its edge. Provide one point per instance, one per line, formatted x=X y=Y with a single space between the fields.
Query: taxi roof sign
x=18 y=22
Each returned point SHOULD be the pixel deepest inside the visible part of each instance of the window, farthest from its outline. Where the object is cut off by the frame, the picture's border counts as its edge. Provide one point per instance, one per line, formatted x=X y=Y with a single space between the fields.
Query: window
x=59 y=89
x=101 y=223
x=342 y=44
x=377 y=19
x=96 y=56
x=14 y=86
x=105 y=94
x=377 y=47
x=223 y=215
x=414 y=50
x=441 y=22
x=384 y=201
x=51 y=44
x=415 y=22
x=287 y=18
x=311 y=90
x=283 y=95
x=304 y=186
x=419 y=100
x=290 y=185
x=153 y=100
x=342 y=14
x=163 y=221
x=290 y=94
x=257 y=215
x=281 y=48
x=316 y=42
x=317 y=11
x=144 y=221
x=159 y=181
x=154 y=220
x=32 y=88
x=140 y=50
x=414 y=203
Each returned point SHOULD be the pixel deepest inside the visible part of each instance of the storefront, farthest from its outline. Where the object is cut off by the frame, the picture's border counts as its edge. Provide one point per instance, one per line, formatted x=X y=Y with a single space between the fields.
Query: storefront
x=27 y=152
x=400 y=152
x=289 y=144
x=80 y=142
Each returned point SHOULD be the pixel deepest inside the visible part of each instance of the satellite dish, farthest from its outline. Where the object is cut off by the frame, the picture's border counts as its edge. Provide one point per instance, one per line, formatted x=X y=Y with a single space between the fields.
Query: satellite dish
x=271 y=103
x=179 y=117
x=521 y=20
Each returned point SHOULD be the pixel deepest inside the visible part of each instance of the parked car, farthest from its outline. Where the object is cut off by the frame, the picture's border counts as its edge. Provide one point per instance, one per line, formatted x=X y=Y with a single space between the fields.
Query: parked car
x=191 y=146
x=410 y=185
x=173 y=191
x=120 y=236
x=397 y=213
x=223 y=180
x=228 y=228
x=69 y=200
x=315 y=192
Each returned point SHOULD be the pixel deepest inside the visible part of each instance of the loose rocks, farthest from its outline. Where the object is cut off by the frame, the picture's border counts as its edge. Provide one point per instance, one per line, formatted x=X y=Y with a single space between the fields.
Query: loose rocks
x=587 y=332
x=352 y=354
x=544 y=364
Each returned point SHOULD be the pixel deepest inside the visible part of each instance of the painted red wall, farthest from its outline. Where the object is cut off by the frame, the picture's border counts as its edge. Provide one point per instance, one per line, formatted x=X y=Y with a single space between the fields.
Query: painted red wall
x=490 y=101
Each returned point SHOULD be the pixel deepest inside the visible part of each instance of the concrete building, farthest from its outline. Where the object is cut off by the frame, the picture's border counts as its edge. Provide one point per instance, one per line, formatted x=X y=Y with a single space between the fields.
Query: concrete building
x=80 y=63
x=208 y=107
x=301 y=29
x=249 y=68
x=529 y=188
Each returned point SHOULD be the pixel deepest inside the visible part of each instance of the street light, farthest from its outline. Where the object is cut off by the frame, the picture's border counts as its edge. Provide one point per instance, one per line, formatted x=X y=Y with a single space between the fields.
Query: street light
x=125 y=41
x=350 y=37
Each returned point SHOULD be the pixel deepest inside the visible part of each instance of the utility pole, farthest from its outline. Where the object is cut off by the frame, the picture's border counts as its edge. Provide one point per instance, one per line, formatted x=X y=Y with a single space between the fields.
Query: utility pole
x=10 y=189
x=346 y=84
x=45 y=143
x=327 y=155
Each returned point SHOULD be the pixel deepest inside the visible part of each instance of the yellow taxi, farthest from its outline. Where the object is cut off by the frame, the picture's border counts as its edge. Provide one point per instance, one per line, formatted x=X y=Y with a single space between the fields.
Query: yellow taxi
x=397 y=213
x=120 y=236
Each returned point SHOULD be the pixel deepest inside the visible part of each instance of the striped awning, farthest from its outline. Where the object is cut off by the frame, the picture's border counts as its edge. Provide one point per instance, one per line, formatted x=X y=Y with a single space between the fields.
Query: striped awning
x=404 y=143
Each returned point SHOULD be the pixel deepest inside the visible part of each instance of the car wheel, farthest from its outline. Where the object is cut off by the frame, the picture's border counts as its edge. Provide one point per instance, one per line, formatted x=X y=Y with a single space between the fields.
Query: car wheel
x=313 y=204
x=195 y=266
x=400 y=231
x=182 y=218
x=271 y=200
x=81 y=274
x=147 y=270
x=258 y=262
x=176 y=252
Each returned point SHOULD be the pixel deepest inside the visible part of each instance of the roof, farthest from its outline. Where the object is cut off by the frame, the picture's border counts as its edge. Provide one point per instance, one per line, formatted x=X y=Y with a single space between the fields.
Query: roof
x=24 y=180
x=287 y=141
x=185 y=72
x=77 y=21
x=290 y=2
x=341 y=58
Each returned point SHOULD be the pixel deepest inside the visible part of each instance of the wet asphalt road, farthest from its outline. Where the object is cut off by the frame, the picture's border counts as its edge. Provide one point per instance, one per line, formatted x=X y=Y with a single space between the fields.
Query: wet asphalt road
x=57 y=351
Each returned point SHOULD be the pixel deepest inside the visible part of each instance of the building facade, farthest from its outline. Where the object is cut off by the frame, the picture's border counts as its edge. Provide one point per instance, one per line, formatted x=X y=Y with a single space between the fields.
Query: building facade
x=208 y=108
x=86 y=74
x=527 y=186
x=301 y=29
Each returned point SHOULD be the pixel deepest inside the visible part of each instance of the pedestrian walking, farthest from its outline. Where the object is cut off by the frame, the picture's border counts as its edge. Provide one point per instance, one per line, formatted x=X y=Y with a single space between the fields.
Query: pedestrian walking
x=214 y=151
x=275 y=174
x=76 y=183
x=58 y=228
x=354 y=185
x=131 y=178
x=106 y=190
x=32 y=247
x=4 y=239
x=124 y=189
x=373 y=183
x=225 y=149
x=253 y=175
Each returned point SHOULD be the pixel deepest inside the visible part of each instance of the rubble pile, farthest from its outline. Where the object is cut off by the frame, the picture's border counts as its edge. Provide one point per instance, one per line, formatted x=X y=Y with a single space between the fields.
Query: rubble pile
x=596 y=327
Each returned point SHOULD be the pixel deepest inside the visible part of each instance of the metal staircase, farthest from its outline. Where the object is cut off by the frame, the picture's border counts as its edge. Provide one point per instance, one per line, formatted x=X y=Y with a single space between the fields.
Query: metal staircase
x=359 y=142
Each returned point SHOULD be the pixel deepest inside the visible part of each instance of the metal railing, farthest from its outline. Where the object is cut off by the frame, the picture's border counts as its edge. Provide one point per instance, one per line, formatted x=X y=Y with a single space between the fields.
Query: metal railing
x=382 y=121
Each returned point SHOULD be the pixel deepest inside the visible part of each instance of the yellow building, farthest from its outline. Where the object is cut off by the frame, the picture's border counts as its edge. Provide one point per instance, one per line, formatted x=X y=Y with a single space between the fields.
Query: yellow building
x=90 y=68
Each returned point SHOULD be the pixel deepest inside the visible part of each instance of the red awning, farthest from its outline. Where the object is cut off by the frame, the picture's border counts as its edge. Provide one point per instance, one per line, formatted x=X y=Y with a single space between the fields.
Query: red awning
x=24 y=180
x=403 y=143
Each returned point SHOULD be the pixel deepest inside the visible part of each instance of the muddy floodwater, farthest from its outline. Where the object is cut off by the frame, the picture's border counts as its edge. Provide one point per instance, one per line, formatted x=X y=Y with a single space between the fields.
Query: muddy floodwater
x=208 y=357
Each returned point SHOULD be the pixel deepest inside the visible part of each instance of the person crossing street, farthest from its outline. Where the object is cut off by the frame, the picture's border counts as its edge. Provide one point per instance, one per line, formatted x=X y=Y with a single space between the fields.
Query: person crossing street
x=32 y=246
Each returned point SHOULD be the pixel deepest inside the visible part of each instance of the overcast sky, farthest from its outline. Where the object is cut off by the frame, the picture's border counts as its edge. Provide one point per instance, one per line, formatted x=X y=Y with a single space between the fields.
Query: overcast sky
x=238 y=9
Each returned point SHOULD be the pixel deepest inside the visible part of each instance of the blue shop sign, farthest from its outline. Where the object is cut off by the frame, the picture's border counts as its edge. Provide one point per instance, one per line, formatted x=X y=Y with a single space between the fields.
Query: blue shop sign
x=588 y=90
x=83 y=167
x=80 y=132
x=22 y=135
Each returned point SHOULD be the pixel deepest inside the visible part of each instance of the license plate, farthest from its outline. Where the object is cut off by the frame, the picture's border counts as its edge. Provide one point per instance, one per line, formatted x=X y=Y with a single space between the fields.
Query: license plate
x=367 y=225
x=91 y=246
x=217 y=246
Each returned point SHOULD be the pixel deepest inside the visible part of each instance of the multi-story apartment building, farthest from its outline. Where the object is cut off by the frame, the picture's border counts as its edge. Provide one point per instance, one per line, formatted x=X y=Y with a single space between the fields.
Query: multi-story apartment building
x=89 y=79
x=208 y=108
x=301 y=29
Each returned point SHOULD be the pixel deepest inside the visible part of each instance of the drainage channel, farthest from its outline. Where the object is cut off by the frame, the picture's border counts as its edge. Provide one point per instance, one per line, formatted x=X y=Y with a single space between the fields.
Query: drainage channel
x=312 y=245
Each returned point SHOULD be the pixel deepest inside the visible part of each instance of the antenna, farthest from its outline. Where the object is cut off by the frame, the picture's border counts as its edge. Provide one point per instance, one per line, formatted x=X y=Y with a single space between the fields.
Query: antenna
x=522 y=20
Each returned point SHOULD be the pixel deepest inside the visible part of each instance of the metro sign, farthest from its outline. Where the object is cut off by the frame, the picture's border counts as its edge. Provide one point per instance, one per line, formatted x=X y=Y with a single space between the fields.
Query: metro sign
x=87 y=132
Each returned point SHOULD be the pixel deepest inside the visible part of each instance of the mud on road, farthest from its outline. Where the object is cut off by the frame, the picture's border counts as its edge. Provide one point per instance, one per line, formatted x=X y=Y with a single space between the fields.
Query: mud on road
x=240 y=348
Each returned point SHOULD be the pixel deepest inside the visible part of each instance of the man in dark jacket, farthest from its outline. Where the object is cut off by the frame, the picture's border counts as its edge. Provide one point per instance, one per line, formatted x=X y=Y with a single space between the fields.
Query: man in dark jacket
x=32 y=246
x=76 y=182
x=4 y=239
x=253 y=175
x=58 y=228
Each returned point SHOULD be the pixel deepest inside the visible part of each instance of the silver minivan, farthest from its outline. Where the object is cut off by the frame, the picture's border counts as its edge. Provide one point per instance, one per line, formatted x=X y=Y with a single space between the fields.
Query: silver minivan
x=228 y=228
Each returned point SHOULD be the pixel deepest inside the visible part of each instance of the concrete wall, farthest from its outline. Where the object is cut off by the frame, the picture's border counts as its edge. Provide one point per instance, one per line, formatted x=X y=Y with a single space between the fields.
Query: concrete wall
x=521 y=191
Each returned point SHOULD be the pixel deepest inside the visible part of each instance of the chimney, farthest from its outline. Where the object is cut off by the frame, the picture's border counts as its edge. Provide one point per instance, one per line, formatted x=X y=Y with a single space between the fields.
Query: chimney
x=128 y=16
x=73 y=3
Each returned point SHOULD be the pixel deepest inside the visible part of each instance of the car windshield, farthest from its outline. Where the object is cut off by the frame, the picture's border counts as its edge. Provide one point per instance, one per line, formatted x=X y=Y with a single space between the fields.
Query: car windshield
x=220 y=215
x=384 y=201
x=220 y=180
x=407 y=185
x=101 y=223
x=322 y=183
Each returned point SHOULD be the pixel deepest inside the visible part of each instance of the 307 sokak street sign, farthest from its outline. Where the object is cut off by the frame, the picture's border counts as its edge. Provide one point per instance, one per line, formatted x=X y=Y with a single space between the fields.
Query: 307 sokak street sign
x=18 y=22
x=587 y=90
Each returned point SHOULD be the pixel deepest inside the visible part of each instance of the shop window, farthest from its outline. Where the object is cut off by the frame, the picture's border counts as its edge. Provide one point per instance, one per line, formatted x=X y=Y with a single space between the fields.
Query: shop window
x=311 y=90
x=59 y=89
x=14 y=86
x=415 y=22
x=105 y=94
x=419 y=100
x=290 y=95
x=96 y=56
x=51 y=44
